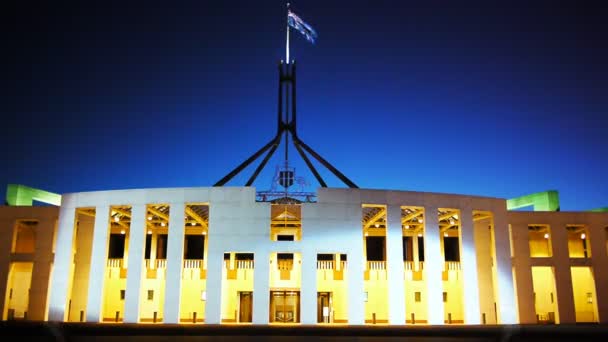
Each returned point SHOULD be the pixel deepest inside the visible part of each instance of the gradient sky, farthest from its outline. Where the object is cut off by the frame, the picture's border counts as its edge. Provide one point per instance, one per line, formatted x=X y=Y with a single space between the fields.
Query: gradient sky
x=439 y=96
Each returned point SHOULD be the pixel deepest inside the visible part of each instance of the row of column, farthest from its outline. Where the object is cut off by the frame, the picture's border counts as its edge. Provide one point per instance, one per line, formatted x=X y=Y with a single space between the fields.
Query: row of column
x=136 y=268
x=560 y=261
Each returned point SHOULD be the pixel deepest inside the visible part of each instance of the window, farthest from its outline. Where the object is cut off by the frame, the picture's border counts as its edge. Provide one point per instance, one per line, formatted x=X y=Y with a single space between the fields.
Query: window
x=365 y=295
x=150 y=294
x=203 y=295
x=589 y=298
x=122 y=294
x=281 y=237
x=445 y=297
x=417 y=297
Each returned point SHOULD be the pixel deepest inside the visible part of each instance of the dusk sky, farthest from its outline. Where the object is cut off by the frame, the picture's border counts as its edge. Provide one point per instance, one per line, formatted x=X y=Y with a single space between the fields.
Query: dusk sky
x=438 y=96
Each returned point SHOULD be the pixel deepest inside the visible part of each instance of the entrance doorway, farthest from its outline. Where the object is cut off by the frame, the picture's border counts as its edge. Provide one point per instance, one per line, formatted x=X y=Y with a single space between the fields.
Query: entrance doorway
x=285 y=306
x=323 y=307
x=245 y=304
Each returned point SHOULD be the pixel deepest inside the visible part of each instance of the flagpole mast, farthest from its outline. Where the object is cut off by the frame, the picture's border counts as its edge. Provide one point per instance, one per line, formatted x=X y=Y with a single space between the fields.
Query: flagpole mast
x=287 y=44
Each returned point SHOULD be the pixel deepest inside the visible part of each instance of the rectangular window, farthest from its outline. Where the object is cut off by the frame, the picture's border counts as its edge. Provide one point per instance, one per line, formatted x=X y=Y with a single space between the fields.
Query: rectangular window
x=417 y=297
x=150 y=294
x=281 y=237
x=445 y=297
x=203 y=295
x=122 y=294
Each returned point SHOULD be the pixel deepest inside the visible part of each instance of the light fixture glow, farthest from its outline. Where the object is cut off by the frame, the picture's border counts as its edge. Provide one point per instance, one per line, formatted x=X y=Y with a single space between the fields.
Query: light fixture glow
x=546 y=235
x=407 y=227
x=193 y=223
x=149 y=231
x=419 y=234
x=149 y=218
x=116 y=218
x=376 y=225
x=583 y=236
x=419 y=220
x=445 y=234
x=122 y=232
x=204 y=232
x=163 y=224
x=366 y=234
x=451 y=221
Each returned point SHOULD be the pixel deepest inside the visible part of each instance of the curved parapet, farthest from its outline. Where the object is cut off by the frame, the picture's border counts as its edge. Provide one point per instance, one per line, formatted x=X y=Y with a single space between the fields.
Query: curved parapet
x=17 y=194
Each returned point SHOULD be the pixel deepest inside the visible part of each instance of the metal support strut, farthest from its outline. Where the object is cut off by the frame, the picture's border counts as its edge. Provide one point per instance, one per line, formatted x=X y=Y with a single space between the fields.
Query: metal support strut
x=287 y=125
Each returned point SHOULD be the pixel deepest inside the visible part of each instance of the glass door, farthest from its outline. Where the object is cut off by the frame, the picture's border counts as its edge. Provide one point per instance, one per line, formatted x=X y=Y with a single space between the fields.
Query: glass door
x=285 y=306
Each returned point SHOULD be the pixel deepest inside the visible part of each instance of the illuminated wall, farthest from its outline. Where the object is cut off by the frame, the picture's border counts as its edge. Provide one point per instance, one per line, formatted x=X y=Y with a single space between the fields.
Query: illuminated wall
x=551 y=263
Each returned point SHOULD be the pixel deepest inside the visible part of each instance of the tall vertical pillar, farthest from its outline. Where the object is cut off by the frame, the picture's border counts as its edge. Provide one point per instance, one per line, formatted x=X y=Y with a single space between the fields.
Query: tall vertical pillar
x=213 y=304
x=6 y=241
x=356 y=290
x=308 y=289
x=415 y=253
x=175 y=260
x=135 y=269
x=563 y=276
x=64 y=255
x=97 y=270
x=433 y=264
x=153 y=247
x=468 y=262
x=504 y=273
x=599 y=260
x=261 y=288
x=43 y=258
x=523 y=273
x=395 y=269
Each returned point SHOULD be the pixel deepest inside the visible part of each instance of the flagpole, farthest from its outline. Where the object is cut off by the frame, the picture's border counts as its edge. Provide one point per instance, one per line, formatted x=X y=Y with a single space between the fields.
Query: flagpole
x=287 y=44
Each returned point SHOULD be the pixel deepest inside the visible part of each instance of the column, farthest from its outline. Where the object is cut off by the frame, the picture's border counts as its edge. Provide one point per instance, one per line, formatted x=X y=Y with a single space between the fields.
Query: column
x=356 y=290
x=395 y=269
x=261 y=288
x=433 y=264
x=7 y=227
x=213 y=305
x=563 y=276
x=175 y=261
x=64 y=255
x=468 y=264
x=43 y=259
x=135 y=269
x=523 y=273
x=97 y=270
x=308 y=298
x=504 y=271
x=599 y=260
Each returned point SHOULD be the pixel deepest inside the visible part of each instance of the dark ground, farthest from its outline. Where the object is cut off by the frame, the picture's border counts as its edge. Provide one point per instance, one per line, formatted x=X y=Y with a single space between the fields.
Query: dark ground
x=46 y=331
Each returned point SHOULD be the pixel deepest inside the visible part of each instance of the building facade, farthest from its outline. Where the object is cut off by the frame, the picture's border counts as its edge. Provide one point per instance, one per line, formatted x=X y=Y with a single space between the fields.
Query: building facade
x=217 y=256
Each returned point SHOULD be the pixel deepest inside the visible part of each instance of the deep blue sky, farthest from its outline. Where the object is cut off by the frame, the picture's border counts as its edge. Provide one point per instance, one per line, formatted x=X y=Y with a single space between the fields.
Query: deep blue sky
x=440 y=96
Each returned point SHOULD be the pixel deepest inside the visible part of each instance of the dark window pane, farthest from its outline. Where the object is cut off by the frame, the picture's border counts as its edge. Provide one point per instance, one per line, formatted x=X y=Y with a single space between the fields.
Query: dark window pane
x=285 y=238
x=420 y=248
x=325 y=257
x=148 y=245
x=194 y=246
x=450 y=249
x=116 y=249
x=244 y=256
x=375 y=248
x=285 y=256
x=161 y=246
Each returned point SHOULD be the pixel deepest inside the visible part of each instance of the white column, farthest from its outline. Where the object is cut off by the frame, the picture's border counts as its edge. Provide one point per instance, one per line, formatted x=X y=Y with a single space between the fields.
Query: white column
x=261 y=288
x=395 y=270
x=43 y=258
x=599 y=260
x=308 y=298
x=153 y=247
x=356 y=290
x=213 y=305
x=523 y=273
x=135 y=269
x=433 y=264
x=64 y=255
x=502 y=253
x=175 y=257
x=415 y=253
x=468 y=264
x=563 y=276
x=97 y=270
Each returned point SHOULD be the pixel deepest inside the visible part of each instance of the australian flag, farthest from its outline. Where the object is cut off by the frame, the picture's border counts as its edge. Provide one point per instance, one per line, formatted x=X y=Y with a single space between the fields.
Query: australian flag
x=299 y=24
